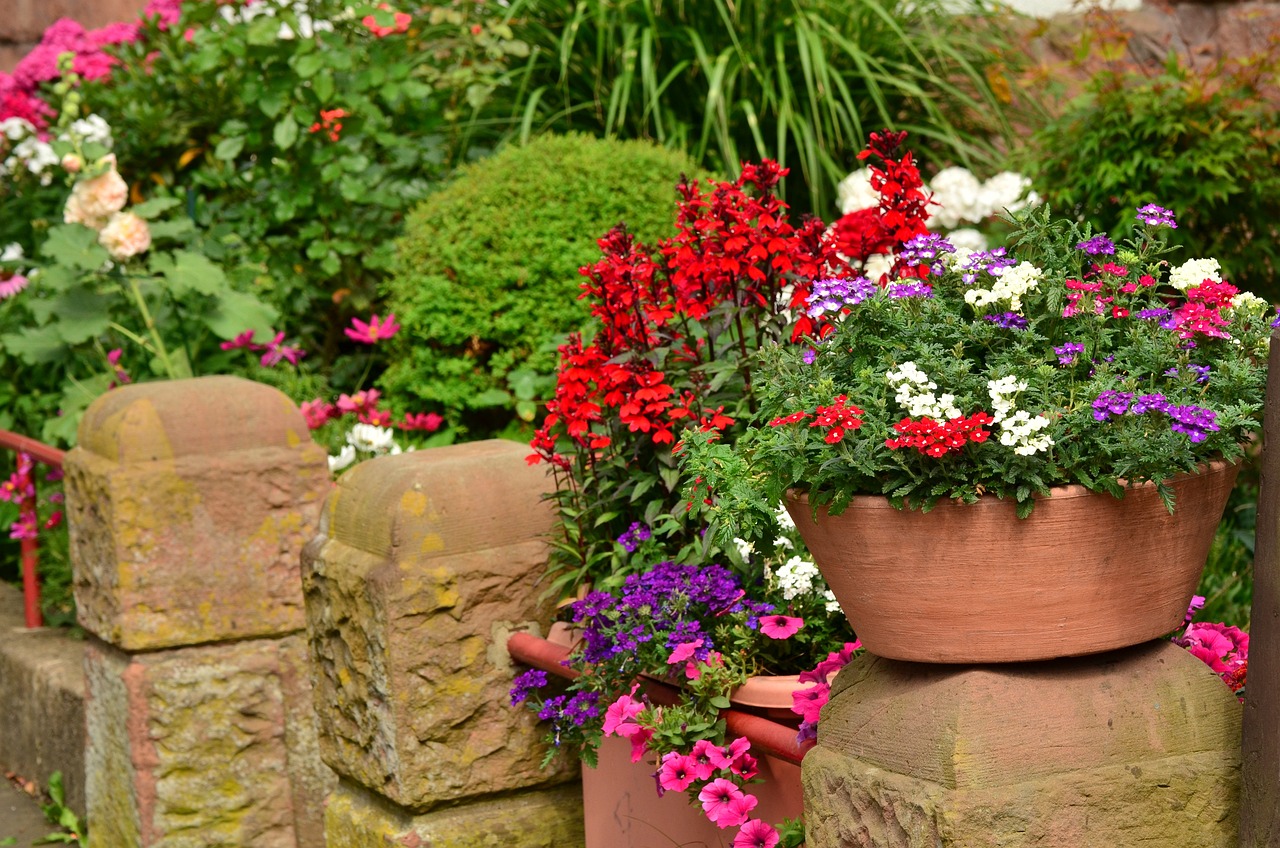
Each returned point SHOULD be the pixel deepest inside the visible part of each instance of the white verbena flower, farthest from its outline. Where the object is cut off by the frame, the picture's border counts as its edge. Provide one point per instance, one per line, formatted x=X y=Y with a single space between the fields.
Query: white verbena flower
x=795 y=577
x=1249 y=302
x=91 y=129
x=1019 y=430
x=832 y=605
x=745 y=548
x=1010 y=285
x=914 y=391
x=1193 y=272
x=784 y=519
x=16 y=129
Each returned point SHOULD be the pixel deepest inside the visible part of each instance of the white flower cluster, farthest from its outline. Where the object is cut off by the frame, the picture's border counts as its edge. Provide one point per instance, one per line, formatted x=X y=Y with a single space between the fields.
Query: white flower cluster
x=1193 y=272
x=795 y=577
x=26 y=150
x=1010 y=285
x=914 y=390
x=307 y=26
x=364 y=438
x=1018 y=429
x=1249 y=302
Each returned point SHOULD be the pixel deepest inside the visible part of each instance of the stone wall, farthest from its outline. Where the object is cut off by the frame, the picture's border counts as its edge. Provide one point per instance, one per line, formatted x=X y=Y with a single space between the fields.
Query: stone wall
x=24 y=20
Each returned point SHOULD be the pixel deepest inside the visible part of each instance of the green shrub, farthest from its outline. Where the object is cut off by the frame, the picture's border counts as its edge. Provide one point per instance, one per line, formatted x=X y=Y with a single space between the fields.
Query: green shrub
x=486 y=279
x=801 y=82
x=1203 y=142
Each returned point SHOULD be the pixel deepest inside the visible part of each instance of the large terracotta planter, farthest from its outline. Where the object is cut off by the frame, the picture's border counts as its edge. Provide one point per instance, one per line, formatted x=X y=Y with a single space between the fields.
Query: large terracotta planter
x=970 y=583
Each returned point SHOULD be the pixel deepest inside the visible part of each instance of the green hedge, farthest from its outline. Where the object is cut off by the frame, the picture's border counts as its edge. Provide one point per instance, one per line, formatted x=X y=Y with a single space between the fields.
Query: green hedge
x=486 y=282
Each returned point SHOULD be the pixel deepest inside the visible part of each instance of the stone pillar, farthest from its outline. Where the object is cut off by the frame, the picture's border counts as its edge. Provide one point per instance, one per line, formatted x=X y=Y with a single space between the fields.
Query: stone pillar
x=1134 y=747
x=189 y=503
x=424 y=564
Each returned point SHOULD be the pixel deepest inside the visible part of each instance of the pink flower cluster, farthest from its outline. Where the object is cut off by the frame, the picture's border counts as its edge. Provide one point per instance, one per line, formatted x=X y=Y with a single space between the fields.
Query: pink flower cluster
x=274 y=351
x=364 y=406
x=808 y=703
x=20 y=489
x=19 y=91
x=1222 y=647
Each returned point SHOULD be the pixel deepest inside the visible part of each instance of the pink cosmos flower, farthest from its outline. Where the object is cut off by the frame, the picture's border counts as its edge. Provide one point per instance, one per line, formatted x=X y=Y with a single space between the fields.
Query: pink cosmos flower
x=24 y=527
x=756 y=834
x=317 y=412
x=676 y=772
x=780 y=626
x=619 y=718
x=11 y=286
x=717 y=798
x=376 y=417
x=684 y=651
x=375 y=330
x=426 y=421
x=113 y=359
x=359 y=402
x=277 y=351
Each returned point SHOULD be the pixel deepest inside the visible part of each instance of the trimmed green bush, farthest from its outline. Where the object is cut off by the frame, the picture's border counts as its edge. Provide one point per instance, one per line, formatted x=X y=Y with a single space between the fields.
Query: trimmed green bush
x=485 y=283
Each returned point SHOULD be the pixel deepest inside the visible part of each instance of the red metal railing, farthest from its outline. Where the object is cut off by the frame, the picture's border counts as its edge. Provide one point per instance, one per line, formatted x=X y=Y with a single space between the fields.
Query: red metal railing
x=771 y=736
x=51 y=457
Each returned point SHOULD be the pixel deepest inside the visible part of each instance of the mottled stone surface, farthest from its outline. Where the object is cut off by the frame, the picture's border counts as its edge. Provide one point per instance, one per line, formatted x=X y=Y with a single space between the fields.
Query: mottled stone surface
x=202 y=747
x=188 y=503
x=1139 y=747
x=536 y=818
x=425 y=562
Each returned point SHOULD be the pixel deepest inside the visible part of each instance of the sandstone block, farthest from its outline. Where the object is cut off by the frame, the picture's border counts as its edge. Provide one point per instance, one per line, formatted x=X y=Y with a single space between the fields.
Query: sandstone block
x=538 y=818
x=203 y=746
x=1136 y=747
x=425 y=562
x=189 y=502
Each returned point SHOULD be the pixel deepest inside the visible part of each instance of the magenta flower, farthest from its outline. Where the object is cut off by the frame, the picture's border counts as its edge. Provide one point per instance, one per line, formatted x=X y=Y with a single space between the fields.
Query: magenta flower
x=639 y=741
x=675 y=774
x=741 y=763
x=375 y=330
x=426 y=421
x=11 y=286
x=717 y=798
x=809 y=702
x=359 y=402
x=705 y=754
x=244 y=340
x=317 y=412
x=780 y=626
x=683 y=651
x=277 y=351
x=756 y=834
x=619 y=719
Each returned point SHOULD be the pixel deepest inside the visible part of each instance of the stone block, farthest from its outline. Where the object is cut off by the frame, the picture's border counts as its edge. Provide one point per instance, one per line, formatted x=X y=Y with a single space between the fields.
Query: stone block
x=188 y=503
x=425 y=563
x=203 y=746
x=1134 y=747
x=537 y=818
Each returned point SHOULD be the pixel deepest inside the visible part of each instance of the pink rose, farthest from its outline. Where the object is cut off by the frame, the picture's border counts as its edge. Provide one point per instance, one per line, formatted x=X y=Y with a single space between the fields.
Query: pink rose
x=125 y=235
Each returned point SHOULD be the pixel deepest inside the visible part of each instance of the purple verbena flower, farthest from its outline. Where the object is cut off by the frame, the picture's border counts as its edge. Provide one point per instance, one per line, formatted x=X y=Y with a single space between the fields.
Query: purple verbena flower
x=834 y=293
x=1201 y=372
x=925 y=249
x=1068 y=352
x=1157 y=216
x=810 y=356
x=635 y=534
x=582 y=707
x=914 y=288
x=1111 y=403
x=532 y=679
x=1146 y=403
x=1154 y=314
x=989 y=261
x=1097 y=245
x=1008 y=320
x=1196 y=421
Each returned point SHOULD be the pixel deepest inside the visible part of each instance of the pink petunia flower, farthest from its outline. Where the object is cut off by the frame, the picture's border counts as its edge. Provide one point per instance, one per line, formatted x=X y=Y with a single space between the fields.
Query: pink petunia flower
x=741 y=762
x=676 y=772
x=739 y=811
x=619 y=718
x=756 y=834
x=808 y=703
x=639 y=743
x=684 y=651
x=373 y=331
x=708 y=758
x=716 y=798
x=780 y=626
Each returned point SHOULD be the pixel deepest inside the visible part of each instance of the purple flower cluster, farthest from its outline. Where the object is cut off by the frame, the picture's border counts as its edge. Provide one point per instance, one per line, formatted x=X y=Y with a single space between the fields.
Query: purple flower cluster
x=1154 y=314
x=926 y=249
x=915 y=288
x=1201 y=372
x=1157 y=216
x=834 y=293
x=1008 y=320
x=577 y=710
x=524 y=685
x=635 y=534
x=1068 y=352
x=1196 y=422
x=985 y=260
x=1098 y=245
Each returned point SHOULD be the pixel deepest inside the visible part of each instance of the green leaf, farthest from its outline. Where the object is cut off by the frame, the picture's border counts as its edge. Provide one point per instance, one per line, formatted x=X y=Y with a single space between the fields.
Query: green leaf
x=34 y=346
x=229 y=148
x=75 y=245
x=154 y=207
x=308 y=65
x=493 y=397
x=286 y=132
x=194 y=272
x=236 y=312
x=56 y=278
x=720 y=702
x=82 y=315
x=171 y=229
x=263 y=31
x=526 y=409
x=322 y=85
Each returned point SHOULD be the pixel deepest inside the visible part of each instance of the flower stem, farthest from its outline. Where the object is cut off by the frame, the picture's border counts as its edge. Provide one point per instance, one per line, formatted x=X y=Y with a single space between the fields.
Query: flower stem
x=159 y=349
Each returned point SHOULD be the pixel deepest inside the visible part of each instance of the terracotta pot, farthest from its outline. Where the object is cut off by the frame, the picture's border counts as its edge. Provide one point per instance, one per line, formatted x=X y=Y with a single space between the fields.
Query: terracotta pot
x=970 y=583
x=769 y=695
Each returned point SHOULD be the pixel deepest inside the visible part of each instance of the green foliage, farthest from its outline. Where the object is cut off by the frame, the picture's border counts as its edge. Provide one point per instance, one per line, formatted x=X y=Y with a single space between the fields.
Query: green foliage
x=486 y=281
x=71 y=828
x=1204 y=142
x=300 y=153
x=798 y=81
x=1227 y=582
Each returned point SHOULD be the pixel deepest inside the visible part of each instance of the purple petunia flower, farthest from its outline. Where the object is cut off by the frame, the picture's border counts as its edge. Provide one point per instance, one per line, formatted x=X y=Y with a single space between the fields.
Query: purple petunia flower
x=1156 y=216
x=1111 y=403
x=1097 y=245
x=1008 y=320
x=1068 y=352
x=915 y=288
x=834 y=293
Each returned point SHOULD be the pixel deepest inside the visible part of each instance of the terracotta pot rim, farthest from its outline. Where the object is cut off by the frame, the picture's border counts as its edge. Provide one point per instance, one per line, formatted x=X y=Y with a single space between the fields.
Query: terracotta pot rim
x=1059 y=493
